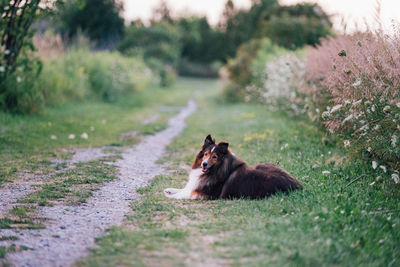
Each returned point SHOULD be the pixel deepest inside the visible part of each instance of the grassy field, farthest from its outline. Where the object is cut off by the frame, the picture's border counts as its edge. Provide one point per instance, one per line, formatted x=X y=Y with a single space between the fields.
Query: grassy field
x=29 y=143
x=345 y=216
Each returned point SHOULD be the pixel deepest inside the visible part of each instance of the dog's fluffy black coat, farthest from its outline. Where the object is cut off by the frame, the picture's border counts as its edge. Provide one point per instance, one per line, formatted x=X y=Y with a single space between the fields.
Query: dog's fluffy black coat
x=231 y=177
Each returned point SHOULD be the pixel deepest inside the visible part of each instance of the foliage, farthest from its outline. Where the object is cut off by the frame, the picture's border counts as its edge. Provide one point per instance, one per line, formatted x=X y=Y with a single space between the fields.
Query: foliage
x=356 y=80
x=194 y=69
x=159 y=40
x=297 y=25
x=100 y=19
x=277 y=82
x=80 y=74
x=18 y=66
x=239 y=68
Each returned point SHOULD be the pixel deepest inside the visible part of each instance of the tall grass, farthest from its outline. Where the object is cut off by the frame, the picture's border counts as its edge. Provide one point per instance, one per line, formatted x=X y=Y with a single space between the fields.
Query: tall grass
x=355 y=82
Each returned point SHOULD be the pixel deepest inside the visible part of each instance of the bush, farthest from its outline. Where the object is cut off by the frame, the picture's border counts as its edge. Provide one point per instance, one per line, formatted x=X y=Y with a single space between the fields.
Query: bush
x=240 y=67
x=357 y=81
x=78 y=75
x=278 y=82
x=195 y=69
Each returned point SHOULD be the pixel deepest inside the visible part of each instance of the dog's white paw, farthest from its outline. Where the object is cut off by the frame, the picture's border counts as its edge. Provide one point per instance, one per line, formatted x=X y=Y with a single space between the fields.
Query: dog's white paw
x=171 y=191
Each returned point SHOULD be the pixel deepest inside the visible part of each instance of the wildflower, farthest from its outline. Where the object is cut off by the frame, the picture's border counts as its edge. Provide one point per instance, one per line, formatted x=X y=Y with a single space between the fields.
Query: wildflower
x=356 y=103
x=377 y=127
x=6 y=52
x=317 y=110
x=336 y=108
x=53 y=137
x=247 y=138
x=325 y=115
x=19 y=79
x=367 y=103
x=371 y=184
x=357 y=83
x=393 y=141
x=346 y=143
x=347 y=102
x=374 y=165
x=91 y=128
x=316 y=218
x=284 y=146
x=84 y=136
x=386 y=109
x=104 y=121
x=398 y=105
x=347 y=118
x=373 y=108
x=326 y=172
x=383 y=168
x=342 y=212
x=378 y=179
x=395 y=178
x=369 y=149
x=2 y=69
x=71 y=136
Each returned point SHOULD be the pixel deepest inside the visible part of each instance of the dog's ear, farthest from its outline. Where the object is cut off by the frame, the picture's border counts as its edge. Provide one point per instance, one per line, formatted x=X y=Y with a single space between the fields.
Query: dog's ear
x=209 y=141
x=223 y=147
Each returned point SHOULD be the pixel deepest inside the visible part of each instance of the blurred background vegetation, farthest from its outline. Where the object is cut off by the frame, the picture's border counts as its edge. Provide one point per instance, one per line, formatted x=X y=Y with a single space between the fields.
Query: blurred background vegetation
x=73 y=50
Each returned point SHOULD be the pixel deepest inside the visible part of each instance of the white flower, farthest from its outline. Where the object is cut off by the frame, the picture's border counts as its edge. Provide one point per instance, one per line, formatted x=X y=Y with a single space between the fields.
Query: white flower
x=377 y=127
x=342 y=212
x=6 y=52
x=19 y=79
x=84 y=136
x=396 y=178
x=383 y=168
x=374 y=165
x=357 y=83
x=317 y=110
x=347 y=118
x=356 y=103
x=326 y=172
x=335 y=108
x=91 y=128
x=398 y=105
x=373 y=108
x=346 y=143
x=393 y=141
x=371 y=184
x=104 y=121
x=71 y=136
x=316 y=218
x=53 y=137
x=2 y=69
x=369 y=149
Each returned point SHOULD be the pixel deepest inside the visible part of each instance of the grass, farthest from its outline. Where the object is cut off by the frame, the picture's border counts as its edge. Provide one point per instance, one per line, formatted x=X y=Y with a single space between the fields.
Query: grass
x=345 y=217
x=26 y=144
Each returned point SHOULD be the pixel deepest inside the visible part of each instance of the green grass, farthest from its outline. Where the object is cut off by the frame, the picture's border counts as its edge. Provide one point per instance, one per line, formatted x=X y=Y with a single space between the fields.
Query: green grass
x=331 y=222
x=26 y=144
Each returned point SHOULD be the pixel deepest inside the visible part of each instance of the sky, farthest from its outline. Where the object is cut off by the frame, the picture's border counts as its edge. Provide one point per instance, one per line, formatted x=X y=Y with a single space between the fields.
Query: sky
x=353 y=12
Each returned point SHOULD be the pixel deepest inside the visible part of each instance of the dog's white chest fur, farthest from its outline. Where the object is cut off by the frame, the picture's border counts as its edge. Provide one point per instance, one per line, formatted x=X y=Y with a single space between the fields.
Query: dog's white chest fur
x=188 y=189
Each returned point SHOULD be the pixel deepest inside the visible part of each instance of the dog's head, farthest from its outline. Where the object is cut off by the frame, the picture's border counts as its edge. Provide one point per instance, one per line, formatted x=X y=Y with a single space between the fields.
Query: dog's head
x=208 y=144
x=215 y=156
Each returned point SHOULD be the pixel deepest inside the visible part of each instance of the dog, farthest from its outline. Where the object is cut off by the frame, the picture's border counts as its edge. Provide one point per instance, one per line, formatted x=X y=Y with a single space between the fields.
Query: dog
x=219 y=173
x=225 y=175
x=194 y=173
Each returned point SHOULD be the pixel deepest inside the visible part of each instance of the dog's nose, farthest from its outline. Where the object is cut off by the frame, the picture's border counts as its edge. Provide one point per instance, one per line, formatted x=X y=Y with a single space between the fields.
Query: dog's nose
x=205 y=164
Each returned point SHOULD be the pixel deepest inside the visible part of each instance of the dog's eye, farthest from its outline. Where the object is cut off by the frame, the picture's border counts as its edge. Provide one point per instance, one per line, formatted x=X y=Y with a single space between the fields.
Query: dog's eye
x=214 y=157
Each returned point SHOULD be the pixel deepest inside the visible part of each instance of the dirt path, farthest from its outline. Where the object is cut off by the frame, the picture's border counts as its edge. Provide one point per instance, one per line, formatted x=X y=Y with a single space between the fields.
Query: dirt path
x=71 y=229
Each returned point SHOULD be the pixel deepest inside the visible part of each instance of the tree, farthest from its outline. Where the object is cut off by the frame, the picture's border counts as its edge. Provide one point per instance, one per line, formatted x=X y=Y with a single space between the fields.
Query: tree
x=295 y=26
x=162 y=13
x=99 y=19
x=15 y=49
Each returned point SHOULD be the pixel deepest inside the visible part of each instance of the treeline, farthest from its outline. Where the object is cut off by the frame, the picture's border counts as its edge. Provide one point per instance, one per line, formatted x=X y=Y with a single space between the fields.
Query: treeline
x=168 y=45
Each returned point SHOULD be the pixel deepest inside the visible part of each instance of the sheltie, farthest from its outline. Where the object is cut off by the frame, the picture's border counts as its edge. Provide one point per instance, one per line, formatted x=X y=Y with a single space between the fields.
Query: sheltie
x=218 y=173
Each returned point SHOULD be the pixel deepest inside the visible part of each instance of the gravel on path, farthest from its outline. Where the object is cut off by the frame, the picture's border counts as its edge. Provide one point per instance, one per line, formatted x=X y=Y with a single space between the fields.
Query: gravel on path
x=71 y=230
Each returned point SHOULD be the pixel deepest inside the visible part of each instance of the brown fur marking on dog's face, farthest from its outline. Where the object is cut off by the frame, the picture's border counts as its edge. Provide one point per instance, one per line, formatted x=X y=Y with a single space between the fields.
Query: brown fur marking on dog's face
x=215 y=156
x=208 y=144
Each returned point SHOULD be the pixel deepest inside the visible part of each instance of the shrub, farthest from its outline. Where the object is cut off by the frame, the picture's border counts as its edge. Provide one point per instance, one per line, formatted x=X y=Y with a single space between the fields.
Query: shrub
x=277 y=82
x=240 y=67
x=357 y=81
x=193 y=69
